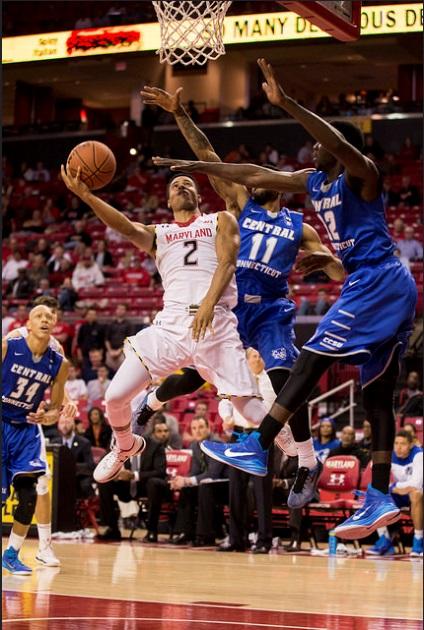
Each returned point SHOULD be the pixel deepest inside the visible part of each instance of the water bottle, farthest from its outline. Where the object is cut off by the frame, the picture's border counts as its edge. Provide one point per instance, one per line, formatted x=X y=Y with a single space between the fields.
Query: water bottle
x=332 y=543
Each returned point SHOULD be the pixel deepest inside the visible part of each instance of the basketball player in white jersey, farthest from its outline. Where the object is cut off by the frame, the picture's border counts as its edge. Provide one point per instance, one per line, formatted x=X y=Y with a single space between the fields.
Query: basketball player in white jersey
x=196 y=257
x=45 y=554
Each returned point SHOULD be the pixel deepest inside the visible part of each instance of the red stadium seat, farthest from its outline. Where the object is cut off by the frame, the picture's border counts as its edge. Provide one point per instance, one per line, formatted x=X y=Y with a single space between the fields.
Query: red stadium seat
x=339 y=478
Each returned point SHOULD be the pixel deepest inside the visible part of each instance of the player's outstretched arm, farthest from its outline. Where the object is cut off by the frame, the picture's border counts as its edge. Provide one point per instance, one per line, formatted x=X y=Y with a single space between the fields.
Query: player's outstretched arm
x=227 y=247
x=142 y=236
x=357 y=165
x=319 y=258
x=3 y=347
x=249 y=175
x=235 y=196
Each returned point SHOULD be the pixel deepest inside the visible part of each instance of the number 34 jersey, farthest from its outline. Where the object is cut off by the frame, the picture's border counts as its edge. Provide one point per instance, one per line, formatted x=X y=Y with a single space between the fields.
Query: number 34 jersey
x=186 y=260
x=24 y=381
x=269 y=245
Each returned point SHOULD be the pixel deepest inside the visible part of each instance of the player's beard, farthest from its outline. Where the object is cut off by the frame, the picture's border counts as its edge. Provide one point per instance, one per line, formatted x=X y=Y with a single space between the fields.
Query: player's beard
x=261 y=196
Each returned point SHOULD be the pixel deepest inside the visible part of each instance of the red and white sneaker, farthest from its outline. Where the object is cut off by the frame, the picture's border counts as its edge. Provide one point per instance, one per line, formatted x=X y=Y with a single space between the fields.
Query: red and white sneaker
x=285 y=441
x=112 y=463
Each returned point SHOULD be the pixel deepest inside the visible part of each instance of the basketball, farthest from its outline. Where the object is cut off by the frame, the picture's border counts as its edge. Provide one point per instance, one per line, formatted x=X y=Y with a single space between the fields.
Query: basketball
x=97 y=162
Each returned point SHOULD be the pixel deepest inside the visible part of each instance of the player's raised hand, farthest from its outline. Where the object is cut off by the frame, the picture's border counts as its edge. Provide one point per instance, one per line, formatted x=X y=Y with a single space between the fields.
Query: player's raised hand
x=42 y=415
x=314 y=262
x=70 y=410
x=185 y=166
x=156 y=96
x=272 y=88
x=202 y=321
x=75 y=184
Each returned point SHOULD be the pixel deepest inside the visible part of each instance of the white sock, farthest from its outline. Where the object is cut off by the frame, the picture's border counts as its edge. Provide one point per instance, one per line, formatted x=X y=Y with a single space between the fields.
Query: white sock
x=383 y=531
x=44 y=534
x=153 y=401
x=15 y=541
x=418 y=533
x=306 y=453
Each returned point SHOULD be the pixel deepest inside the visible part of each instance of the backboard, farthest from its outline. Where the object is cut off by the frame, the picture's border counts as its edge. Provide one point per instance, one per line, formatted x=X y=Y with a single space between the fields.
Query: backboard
x=340 y=19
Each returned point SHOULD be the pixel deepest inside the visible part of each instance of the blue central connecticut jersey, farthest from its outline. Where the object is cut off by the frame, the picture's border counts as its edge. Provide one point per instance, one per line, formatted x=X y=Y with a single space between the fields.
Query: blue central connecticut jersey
x=24 y=381
x=269 y=244
x=357 y=229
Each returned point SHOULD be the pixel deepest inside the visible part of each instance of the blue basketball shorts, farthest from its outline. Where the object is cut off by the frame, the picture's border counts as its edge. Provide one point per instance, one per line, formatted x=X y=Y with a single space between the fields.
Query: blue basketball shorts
x=373 y=316
x=269 y=328
x=22 y=452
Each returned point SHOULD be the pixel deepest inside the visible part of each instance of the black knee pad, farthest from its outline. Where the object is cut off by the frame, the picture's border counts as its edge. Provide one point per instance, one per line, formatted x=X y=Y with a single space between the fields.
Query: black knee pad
x=278 y=378
x=27 y=496
x=180 y=384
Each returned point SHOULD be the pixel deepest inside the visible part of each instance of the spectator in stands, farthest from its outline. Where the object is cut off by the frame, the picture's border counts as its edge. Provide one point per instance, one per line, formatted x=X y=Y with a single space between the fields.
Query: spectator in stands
x=390 y=197
x=103 y=257
x=406 y=491
x=116 y=332
x=75 y=387
x=63 y=331
x=208 y=497
x=283 y=164
x=272 y=155
x=43 y=248
x=326 y=439
x=6 y=320
x=40 y=174
x=366 y=443
x=80 y=448
x=408 y=246
x=87 y=273
x=285 y=475
x=96 y=388
x=241 y=154
x=304 y=155
x=92 y=364
x=80 y=235
x=98 y=432
x=55 y=261
x=135 y=274
x=38 y=269
x=44 y=288
x=142 y=474
x=408 y=150
x=22 y=288
x=35 y=223
x=412 y=429
x=323 y=303
x=67 y=295
x=348 y=446
x=373 y=148
x=14 y=263
x=324 y=107
x=408 y=194
x=411 y=397
x=398 y=229
x=91 y=335
x=174 y=439
x=50 y=213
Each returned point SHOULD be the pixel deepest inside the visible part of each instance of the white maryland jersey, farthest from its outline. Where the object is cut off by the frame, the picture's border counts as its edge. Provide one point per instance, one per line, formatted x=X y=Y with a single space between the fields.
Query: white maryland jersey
x=186 y=260
x=53 y=343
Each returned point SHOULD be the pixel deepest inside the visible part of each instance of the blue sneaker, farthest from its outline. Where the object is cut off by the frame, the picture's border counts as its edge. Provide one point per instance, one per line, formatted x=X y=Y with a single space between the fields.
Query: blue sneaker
x=304 y=488
x=378 y=510
x=11 y=562
x=417 y=548
x=382 y=547
x=247 y=455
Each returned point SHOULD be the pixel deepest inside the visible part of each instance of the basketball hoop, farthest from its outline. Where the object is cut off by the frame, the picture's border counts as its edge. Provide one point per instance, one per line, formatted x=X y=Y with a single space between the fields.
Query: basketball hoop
x=191 y=32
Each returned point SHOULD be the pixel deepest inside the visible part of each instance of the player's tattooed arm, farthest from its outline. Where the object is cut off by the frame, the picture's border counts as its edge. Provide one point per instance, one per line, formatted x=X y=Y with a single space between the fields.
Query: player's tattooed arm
x=141 y=235
x=50 y=414
x=234 y=195
x=250 y=175
x=227 y=247
x=318 y=256
x=358 y=166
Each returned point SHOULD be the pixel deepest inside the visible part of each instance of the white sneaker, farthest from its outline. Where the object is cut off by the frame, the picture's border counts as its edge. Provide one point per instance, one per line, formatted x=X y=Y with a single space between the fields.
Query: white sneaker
x=285 y=441
x=112 y=463
x=46 y=556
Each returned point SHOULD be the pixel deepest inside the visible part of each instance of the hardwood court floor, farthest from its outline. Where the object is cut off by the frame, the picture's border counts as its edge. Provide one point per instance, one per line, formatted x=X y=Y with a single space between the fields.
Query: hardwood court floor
x=132 y=586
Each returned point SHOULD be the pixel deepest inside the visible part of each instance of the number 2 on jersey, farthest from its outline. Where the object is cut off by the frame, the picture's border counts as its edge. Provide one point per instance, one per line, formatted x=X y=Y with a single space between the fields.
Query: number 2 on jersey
x=269 y=247
x=190 y=258
x=330 y=220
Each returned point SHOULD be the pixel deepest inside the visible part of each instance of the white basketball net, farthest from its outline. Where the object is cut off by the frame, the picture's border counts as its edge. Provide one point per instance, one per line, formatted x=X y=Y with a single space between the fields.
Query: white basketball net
x=191 y=32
